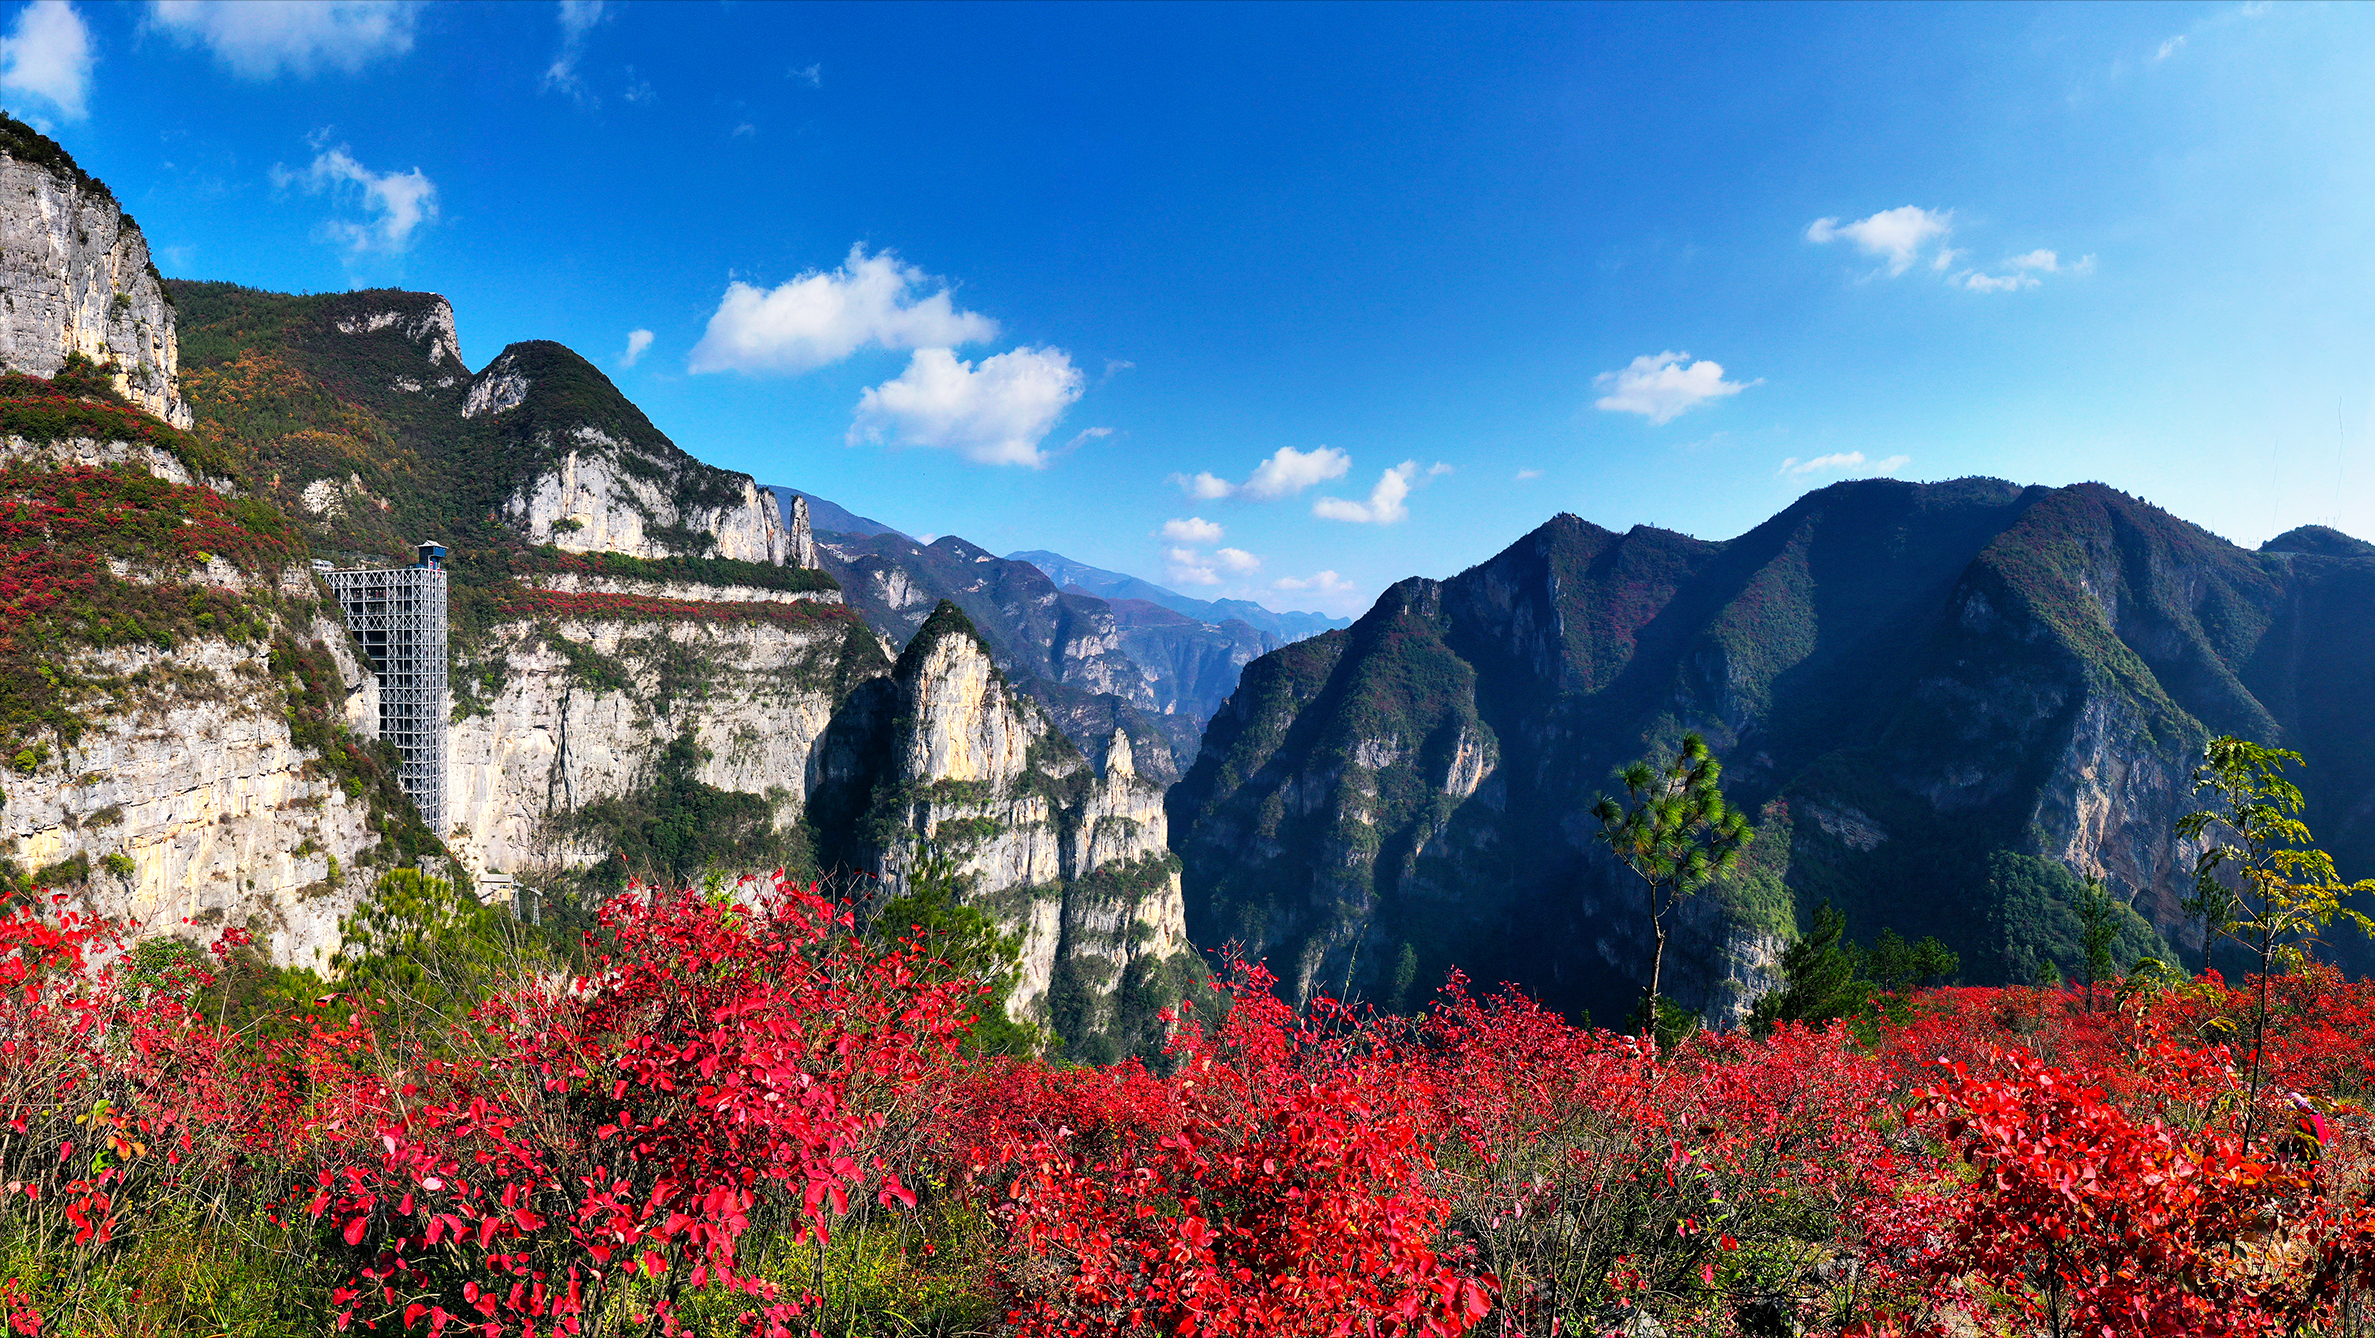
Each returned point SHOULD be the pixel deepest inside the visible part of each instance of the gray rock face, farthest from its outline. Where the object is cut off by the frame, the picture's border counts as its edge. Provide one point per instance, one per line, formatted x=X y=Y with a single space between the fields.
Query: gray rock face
x=982 y=772
x=75 y=277
x=192 y=804
x=586 y=708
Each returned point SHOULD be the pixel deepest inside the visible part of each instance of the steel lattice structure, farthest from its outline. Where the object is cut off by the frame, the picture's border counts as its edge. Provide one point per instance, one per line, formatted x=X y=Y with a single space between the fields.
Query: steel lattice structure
x=399 y=614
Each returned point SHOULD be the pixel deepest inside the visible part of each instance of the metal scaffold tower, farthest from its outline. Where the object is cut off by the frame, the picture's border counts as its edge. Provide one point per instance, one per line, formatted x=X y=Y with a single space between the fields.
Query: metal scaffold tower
x=398 y=613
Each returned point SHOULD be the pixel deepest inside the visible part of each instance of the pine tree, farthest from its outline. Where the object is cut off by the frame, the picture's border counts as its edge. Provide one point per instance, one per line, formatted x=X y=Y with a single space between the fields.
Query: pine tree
x=1819 y=979
x=1676 y=833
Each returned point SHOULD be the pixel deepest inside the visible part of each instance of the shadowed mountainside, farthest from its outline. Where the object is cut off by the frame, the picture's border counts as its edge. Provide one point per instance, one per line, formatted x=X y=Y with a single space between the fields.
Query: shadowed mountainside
x=1943 y=702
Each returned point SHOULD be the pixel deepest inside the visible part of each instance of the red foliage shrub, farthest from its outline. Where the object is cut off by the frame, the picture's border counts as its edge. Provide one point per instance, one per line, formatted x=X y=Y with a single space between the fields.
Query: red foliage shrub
x=1279 y=1183
x=721 y=1060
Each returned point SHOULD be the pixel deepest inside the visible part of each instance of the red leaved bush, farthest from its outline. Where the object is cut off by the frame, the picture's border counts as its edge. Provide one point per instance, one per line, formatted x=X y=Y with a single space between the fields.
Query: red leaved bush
x=737 y=1070
x=1278 y=1183
x=722 y=1060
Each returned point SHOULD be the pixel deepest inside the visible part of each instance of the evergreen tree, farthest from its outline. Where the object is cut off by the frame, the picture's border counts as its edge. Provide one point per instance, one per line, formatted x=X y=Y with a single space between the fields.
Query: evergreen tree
x=1900 y=967
x=2098 y=920
x=1819 y=978
x=964 y=943
x=1676 y=833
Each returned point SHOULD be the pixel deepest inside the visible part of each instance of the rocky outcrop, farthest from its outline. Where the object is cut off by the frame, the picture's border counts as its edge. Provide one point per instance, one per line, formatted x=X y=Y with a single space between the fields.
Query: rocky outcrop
x=591 y=501
x=75 y=277
x=1061 y=648
x=188 y=805
x=1191 y=667
x=569 y=582
x=591 y=474
x=1072 y=859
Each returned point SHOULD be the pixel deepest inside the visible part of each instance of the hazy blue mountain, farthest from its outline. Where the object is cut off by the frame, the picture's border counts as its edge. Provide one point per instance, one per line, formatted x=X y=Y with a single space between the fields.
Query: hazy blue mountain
x=1116 y=585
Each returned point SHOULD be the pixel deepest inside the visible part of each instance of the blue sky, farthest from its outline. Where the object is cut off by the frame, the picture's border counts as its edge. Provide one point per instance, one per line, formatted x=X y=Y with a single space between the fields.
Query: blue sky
x=1289 y=303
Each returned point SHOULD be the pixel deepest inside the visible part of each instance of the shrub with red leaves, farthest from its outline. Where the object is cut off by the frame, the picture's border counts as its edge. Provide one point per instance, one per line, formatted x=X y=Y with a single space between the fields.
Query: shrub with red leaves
x=1280 y=1182
x=723 y=1061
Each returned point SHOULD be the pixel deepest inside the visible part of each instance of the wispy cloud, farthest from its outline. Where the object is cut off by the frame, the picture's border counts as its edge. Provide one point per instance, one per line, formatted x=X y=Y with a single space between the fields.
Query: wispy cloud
x=578 y=20
x=1901 y=236
x=45 y=60
x=395 y=205
x=1663 y=386
x=1844 y=461
x=812 y=75
x=2021 y=271
x=637 y=342
x=1185 y=566
x=993 y=414
x=824 y=316
x=1324 y=583
x=260 y=39
x=1526 y=475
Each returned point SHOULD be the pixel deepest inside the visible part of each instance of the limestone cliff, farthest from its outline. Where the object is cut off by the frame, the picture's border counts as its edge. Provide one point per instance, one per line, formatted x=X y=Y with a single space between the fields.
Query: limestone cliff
x=75 y=277
x=586 y=711
x=1064 y=650
x=1071 y=858
x=189 y=807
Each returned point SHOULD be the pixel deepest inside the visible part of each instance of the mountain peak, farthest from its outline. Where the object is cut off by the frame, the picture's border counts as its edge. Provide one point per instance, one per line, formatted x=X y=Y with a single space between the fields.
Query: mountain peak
x=2318 y=541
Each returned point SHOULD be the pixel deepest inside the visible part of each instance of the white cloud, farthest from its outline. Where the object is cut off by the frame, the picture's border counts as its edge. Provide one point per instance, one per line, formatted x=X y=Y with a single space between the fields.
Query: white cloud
x=398 y=204
x=811 y=75
x=824 y=316
x=1238 y=560
x=1663 y=386
x=2170 y=47
x=46 y=57
x=1287 y=472
x=2023 y=271
x=1997 y=283
x=1897 y=235
x=1326 y=583
x=1385 y=504
x=637 y=341
x=1438 y=470
x=1290 y=471
x=1527 y=475
x=1193 y=530
x=578 y=19
x=1851 y=461
x=258 y=39
x=994 y=414
x=1185 y=566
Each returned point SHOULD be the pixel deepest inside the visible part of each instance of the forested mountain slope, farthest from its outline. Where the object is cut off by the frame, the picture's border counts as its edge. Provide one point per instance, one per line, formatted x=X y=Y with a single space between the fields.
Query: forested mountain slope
x=1942 y=700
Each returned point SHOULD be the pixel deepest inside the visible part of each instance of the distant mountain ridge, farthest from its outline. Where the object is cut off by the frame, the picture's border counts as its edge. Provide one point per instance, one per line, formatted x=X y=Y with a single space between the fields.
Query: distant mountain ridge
x=1100 y=650
x=1944 y=703
x=1117 y=585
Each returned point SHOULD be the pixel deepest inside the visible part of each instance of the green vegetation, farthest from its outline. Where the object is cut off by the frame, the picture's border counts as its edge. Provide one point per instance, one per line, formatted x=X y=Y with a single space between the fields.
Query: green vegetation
x=678 y=828
x=687 y=570
x=426 y=951
x=2260 y=881
x=933 y=916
